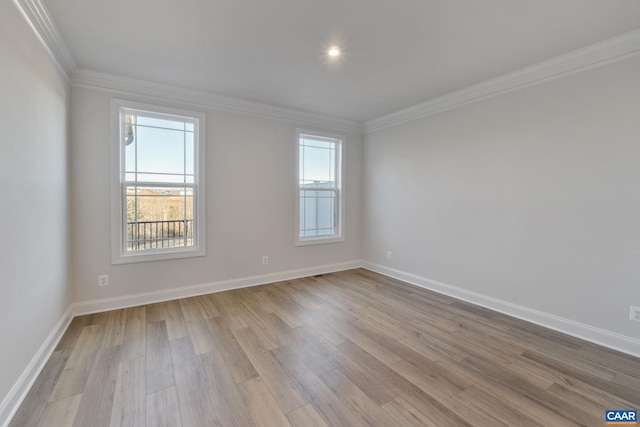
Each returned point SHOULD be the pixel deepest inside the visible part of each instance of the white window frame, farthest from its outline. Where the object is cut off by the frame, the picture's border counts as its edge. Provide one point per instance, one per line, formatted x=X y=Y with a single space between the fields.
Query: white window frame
x=119 y=254
x=339 y=236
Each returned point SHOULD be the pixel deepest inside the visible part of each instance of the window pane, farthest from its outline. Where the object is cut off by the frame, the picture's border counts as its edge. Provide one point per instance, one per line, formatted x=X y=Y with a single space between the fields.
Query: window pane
x=318 y=165
x=160 y=150
x=161 y=123
x=159 y=217
x=189 y=152
x=129 y=131
x=160 y=177
x=317 y=213
x=317 y=142
x=319 y=187
x=158 y=154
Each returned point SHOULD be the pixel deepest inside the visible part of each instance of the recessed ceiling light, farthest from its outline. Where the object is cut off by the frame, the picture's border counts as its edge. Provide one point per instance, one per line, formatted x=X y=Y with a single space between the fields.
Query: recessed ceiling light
x=333 y=51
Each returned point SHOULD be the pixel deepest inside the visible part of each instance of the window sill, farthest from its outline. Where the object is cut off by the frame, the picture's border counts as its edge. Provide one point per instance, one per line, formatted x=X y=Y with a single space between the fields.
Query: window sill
x=156 y=256
x=318 y=241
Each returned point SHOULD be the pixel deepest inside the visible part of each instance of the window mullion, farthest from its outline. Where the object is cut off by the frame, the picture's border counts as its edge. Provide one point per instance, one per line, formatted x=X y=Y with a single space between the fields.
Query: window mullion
x=159 y=184
x=153 y=208
x=319 y=200
x=184 y=179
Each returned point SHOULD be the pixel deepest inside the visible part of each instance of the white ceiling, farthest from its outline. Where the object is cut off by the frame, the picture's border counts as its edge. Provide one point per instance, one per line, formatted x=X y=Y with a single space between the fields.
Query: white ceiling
x=396 y=53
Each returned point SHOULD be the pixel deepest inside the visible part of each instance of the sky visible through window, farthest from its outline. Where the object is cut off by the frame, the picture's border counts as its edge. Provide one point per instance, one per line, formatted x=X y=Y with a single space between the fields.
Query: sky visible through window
x=159 y=179
x=161 y=151
x=317 y=161
x=318 y=185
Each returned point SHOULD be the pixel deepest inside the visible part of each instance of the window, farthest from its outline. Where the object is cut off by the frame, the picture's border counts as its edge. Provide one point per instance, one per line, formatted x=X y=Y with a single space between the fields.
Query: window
x=158 y=183
x=319 y=210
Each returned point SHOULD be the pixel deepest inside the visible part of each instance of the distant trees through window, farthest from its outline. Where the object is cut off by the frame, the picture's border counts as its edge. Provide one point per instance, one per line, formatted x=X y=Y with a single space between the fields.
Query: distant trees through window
x=159 y=181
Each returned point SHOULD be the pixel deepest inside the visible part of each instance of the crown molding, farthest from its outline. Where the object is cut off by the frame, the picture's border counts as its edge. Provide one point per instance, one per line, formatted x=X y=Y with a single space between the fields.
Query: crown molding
x=125 y=86
x=606 y=52
x=42 y=24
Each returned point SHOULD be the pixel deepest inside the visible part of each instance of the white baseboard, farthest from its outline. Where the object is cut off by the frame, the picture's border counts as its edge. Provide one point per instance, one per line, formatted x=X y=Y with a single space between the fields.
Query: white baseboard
x=106 y=304
x=595 y=335
x=12 y=401
x=16 y=395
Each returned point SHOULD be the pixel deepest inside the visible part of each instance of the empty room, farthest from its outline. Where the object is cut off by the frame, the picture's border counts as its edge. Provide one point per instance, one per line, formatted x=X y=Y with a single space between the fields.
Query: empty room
x=320 y=213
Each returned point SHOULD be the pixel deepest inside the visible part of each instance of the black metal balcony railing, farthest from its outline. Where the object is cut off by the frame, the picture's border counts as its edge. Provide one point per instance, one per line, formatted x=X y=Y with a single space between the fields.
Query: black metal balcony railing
x=159 y=234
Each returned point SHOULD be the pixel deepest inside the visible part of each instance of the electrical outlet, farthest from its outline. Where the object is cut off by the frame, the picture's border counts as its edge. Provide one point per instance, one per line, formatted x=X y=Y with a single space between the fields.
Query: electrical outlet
x=265 y=260
x=103 y=280
x=634 y=313
x=388 y=254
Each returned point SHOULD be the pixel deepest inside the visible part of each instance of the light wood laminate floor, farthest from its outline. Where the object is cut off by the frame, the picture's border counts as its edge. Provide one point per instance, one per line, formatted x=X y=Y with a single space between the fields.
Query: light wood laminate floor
x=346 y=349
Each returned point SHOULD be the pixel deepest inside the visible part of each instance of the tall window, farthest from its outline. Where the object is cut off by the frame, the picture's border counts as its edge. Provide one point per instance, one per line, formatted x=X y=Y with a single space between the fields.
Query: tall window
x=319 y=214
x=159 y=174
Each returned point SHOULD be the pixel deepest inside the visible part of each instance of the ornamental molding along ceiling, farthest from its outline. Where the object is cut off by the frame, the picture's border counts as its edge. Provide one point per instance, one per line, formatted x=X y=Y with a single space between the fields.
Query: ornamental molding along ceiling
x=599 y=54
x=40 y=21
x=606 y=52
x=156 y=92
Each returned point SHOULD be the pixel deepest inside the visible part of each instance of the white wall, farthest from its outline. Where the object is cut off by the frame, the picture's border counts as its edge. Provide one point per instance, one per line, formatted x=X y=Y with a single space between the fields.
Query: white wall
x=532 y=197
x=250 y=204
x=34 y=291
